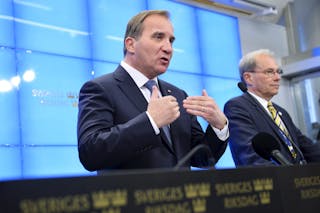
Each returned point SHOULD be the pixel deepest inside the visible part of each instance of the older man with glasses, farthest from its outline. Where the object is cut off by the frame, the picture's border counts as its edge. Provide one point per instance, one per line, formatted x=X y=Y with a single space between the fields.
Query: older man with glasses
x=253 y=114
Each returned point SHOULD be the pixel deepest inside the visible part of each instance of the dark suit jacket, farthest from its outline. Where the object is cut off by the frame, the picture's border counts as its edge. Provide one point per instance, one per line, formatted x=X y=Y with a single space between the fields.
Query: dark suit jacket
x=114 y=131
x=247 y=118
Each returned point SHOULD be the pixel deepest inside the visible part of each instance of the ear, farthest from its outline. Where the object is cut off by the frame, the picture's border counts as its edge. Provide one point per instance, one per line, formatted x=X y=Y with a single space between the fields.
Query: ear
x=247 y=77
x=129 y=42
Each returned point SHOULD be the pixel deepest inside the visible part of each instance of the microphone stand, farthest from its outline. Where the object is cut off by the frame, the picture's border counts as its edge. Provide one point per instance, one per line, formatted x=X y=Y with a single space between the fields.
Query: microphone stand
x=189 y=155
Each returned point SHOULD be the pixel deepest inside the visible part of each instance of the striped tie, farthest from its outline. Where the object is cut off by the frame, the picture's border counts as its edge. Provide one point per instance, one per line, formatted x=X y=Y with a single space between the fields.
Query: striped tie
x=276 y=118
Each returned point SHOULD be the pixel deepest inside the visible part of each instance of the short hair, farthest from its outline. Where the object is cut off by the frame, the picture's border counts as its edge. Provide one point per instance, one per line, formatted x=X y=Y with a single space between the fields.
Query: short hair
x=248 y=62
x=135 y=25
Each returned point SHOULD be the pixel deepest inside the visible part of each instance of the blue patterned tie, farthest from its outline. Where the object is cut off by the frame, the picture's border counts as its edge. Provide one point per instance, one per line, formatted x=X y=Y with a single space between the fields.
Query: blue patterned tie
x=166 y=128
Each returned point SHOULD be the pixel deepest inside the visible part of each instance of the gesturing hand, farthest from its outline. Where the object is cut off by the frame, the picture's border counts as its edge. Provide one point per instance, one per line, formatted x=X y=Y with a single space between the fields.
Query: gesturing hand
x=207 y=108
x=163 y=110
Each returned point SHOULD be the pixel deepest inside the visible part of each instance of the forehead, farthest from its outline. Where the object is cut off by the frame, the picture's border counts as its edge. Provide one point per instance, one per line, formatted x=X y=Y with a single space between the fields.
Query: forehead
x=266 y=61
x=158 y=22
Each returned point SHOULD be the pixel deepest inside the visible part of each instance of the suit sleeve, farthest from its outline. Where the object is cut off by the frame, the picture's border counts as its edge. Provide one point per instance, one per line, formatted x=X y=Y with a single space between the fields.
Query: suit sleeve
x=102 y=143
x=209 y=138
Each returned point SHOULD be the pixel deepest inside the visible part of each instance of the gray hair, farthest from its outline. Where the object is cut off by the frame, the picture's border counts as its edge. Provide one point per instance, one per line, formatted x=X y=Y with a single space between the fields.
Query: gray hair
x=248 y=61
x=135 y=25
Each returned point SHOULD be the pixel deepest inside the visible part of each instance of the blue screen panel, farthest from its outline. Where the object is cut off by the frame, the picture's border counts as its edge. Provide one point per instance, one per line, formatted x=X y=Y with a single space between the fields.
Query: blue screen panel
x=101 y=68
x=186 y=51
x=188 y=82
x=49 y=97
x=9 y=116
x=54 y=26
x=226 y=160
x=192 y=84
x=219 y=44
x=52 y=162
x=10 y=163
x=39 y=109
x=108 y=21
x=6 y=24
x=221 y=90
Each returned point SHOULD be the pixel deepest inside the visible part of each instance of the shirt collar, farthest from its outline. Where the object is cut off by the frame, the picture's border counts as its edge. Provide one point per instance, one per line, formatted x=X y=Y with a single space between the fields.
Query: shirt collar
x=262 y=101
x=136 y=75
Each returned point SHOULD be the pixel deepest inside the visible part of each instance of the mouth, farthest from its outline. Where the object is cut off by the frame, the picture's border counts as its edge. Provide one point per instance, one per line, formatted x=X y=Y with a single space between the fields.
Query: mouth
x=164 y=60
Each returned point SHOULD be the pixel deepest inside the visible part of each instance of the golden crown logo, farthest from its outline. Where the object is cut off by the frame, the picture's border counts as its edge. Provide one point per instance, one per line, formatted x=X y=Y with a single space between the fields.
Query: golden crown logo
x=120 y=198
x=204 y=190
x=190 y=191
x=104 y=199
x=199 y=205
x=264 y=197
x=100 y=199
x=263 y=184
x=195 y=190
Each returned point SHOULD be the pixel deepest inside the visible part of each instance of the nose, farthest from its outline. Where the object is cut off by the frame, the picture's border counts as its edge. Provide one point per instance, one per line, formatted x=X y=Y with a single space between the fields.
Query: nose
x=277 y=76
x=167 y=46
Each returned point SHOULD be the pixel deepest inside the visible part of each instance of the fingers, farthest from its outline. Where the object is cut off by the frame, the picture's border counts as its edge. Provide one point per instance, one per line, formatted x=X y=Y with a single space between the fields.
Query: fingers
x=204 y=93
x=203 y=105
x=203 y=109
x=163 y=110
x=199 y=103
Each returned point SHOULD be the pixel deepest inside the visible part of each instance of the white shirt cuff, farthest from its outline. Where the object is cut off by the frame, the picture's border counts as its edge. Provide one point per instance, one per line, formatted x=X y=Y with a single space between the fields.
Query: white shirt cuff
x=154 y=125
x=222 y=134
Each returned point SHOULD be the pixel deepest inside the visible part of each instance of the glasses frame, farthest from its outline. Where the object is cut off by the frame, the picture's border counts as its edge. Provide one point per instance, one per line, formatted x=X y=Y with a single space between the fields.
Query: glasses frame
x=269 y=72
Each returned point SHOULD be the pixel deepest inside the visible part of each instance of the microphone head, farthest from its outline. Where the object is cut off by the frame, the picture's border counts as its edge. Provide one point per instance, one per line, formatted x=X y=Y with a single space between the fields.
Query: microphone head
x=242 y=86
x=264 y=144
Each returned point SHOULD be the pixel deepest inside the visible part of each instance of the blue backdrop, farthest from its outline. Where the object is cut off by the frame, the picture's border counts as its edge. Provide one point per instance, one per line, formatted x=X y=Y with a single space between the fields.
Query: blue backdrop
x=48 y=49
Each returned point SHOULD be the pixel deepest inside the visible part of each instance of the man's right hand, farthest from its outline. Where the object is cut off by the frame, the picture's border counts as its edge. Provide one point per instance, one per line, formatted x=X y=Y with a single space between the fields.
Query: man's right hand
x=163 y=110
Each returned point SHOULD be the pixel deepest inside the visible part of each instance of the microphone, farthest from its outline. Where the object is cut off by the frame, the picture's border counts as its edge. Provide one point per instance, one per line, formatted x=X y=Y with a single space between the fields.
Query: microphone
x=192 y=152
x=268 y=148
x=242 y=86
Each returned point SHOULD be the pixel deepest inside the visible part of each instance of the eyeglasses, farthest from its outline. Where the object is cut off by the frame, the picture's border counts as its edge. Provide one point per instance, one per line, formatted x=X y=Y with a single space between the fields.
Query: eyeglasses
x=269 y=72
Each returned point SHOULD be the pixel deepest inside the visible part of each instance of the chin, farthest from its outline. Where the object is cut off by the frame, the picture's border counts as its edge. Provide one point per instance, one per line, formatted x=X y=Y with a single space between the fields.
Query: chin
x=162 y=70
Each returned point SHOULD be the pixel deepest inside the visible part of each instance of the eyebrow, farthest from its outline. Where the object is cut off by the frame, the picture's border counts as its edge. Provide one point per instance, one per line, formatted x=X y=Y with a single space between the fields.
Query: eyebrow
x=172 y=38
x=272 y=69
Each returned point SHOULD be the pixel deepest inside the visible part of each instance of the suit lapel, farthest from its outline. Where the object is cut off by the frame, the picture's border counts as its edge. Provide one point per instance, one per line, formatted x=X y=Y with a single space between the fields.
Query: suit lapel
x=264 y=114
x=128 y=87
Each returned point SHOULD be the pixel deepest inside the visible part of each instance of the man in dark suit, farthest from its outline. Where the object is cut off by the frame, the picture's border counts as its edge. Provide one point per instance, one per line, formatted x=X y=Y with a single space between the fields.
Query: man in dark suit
x=249 y=115
x=124 y=123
